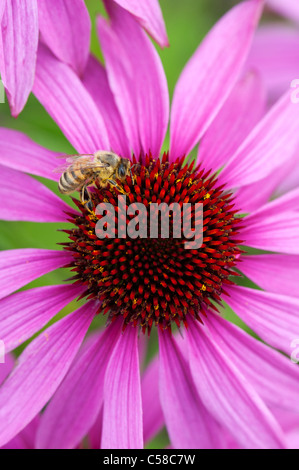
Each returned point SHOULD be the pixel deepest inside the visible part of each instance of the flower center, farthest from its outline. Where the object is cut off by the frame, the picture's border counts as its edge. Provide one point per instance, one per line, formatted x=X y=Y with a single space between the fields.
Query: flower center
x=157 y=280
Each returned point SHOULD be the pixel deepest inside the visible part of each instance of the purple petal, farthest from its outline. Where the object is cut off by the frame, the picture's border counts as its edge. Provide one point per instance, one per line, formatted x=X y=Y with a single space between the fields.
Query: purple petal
x=261 y=268
x=271 y=143
x=274 y=317
x=148 y=13
x=203 y=85
x=31 y=200
x=228 y=396
x=65 y=27
x=19 y=267
x=189 y=424
x=18 y=46
x=65 y=98
x=41 y=368
x=79 y=399
x=122 y=420
x=137 y=80
x=239 y=114
x=273 y=376
x=96 y=82
x=153 y=419
x=19 y=152
x=24 y=313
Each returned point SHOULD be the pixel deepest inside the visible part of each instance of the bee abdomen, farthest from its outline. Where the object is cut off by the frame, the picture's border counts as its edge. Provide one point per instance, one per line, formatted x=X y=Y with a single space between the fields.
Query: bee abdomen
x=70 y=181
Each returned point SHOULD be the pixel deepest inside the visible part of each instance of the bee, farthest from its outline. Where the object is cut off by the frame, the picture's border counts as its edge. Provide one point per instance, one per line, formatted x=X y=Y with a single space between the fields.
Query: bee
x=84 y=170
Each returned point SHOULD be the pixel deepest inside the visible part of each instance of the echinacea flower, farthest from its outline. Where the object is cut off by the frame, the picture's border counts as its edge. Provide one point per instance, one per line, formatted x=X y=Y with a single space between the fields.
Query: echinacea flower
x=217 y=377
x=64 y=25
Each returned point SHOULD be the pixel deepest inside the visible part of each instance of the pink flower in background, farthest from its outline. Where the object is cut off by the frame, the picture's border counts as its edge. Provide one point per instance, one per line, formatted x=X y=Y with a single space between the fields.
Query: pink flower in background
x=274 y=52
x=275 y=56
x=287 y=8
x=217 y=377
x=64 y=26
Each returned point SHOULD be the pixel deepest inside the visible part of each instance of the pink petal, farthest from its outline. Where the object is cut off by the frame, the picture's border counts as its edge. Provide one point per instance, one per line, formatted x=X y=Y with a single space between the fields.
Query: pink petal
x=2 y=8
x=26 y=438
x=289 y=202
x=31 y=200
x=274 y=376
x=287 y=419
x=274 y=317
x=19 y=267
x=143 y=343
x=95 y=432
x=189 y=424
x=137 y=80
x=6 y=367
x=271 y=143
x=251 y=197
x=24 y=313
x=228 y=396
x=274 y=226
x=65 y=98
x=293 y=439
x=79 y=399
x=289 y=8
x=153 y=419
x=239 y=114
x=19 y=152
x=204 y=85
x=41 y=368
x=261 y=268
x=65 y=27
x=275 y=55
x=18 y=46
x=148 y=13
x=122 y=420
x=290 y=177
x=96 y=82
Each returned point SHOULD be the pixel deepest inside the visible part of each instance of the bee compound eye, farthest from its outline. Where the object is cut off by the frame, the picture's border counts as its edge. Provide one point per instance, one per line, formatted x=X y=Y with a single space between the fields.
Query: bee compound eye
x=122 y=172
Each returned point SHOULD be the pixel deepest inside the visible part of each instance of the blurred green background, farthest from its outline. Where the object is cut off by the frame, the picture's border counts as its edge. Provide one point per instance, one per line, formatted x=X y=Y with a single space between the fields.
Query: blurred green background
x=187 y=23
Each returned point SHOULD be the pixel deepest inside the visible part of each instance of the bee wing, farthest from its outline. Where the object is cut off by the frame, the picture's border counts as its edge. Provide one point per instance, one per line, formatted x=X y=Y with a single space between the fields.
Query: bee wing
x=75 y=156
x=86 y=160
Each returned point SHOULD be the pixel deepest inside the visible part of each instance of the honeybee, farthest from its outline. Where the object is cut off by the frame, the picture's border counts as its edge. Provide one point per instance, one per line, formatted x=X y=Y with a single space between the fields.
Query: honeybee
x=84 y=170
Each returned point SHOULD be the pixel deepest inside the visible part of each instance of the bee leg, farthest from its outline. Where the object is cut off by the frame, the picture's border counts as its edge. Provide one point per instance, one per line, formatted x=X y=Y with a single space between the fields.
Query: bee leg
x=116 y=185
x=86 y=199
x=132 y=176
